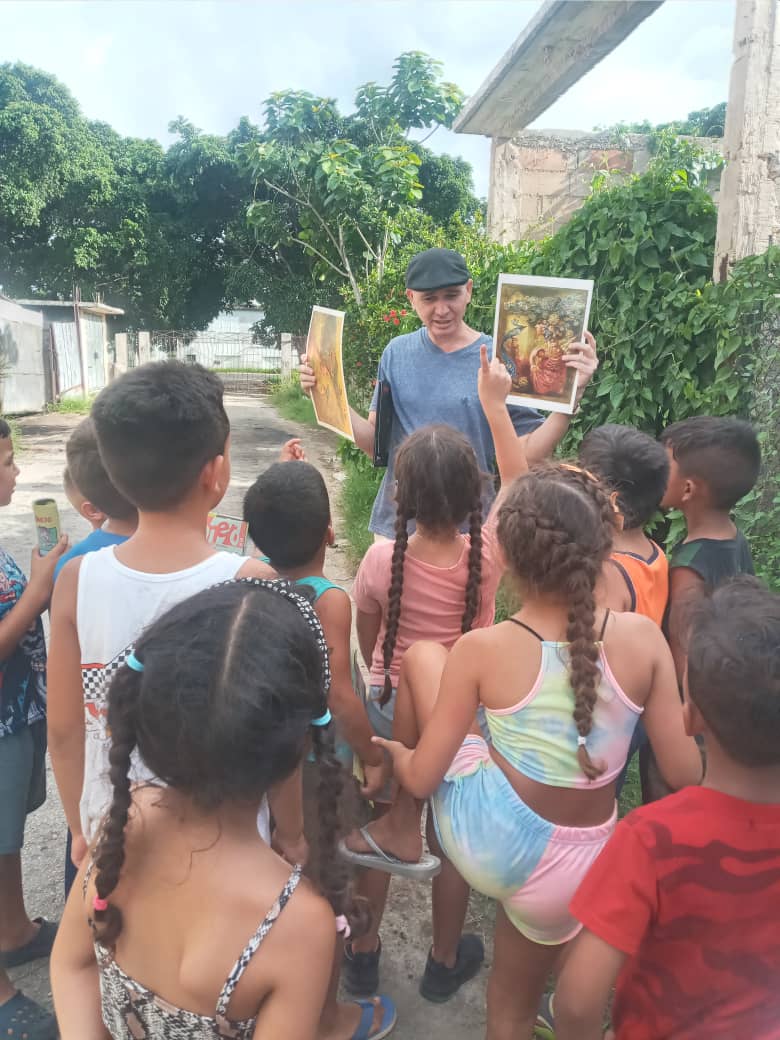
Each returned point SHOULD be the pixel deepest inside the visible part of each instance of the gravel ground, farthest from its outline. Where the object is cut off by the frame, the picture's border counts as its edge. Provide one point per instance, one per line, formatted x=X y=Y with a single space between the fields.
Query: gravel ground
x=258 y=432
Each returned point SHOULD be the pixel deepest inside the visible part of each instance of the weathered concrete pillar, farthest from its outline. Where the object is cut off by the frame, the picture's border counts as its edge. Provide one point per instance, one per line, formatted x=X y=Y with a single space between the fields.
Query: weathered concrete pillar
x=289 y=357
x=144 y=348
x=120 y=353
x=749 y=210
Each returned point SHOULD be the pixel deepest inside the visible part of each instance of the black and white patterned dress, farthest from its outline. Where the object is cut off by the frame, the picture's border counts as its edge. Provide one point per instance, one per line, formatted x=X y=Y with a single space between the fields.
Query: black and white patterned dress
x=133 y=1012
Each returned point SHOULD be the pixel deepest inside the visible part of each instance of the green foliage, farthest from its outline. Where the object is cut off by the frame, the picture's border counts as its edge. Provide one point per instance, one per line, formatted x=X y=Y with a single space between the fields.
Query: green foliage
x=360 y=487
x=155 y=232
x=329 y=188
x=705 y=122
x=292 y=404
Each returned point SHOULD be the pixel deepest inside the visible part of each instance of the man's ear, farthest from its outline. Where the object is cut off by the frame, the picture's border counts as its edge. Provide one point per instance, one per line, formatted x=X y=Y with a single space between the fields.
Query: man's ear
x=330 y=537
x=619 y=520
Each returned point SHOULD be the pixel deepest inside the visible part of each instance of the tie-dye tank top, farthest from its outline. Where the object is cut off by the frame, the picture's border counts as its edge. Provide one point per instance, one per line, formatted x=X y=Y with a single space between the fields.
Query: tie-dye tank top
x=538 y=735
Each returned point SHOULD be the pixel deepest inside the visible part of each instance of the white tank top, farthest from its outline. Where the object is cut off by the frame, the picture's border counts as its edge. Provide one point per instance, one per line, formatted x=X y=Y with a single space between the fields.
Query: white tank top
x=114 y=606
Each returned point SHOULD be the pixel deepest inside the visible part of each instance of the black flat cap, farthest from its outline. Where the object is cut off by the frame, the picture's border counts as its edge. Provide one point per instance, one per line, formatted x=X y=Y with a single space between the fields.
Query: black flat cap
x=436 y=269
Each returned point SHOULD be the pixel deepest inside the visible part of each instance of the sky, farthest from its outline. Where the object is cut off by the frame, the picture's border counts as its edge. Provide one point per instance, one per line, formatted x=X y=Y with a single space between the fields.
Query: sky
x=138 y=64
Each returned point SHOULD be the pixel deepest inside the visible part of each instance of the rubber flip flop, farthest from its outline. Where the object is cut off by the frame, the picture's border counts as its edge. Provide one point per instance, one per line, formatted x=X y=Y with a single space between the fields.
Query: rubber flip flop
x=545 y=1022
x=423 y=869
x=386 y=1025
x=39 y=946
x=21 y=1017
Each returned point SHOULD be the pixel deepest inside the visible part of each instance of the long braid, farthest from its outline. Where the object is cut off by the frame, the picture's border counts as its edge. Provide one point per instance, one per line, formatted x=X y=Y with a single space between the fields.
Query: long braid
x=474 y=582
x=583 y=658
x=394 y=600
x=110 y=853
x=334 y=876
x=556 y=529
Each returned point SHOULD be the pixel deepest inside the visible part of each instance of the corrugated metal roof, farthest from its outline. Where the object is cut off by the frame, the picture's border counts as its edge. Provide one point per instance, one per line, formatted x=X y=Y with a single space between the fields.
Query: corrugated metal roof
x=85 y=305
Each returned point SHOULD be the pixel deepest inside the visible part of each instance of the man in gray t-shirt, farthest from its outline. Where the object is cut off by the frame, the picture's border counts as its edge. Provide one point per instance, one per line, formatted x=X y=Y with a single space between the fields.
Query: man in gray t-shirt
x=432 y=374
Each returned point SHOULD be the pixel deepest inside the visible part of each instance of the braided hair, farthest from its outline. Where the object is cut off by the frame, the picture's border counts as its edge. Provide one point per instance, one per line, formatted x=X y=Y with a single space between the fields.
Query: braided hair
x=439 y=485
x=221 y=711
x=555 y=528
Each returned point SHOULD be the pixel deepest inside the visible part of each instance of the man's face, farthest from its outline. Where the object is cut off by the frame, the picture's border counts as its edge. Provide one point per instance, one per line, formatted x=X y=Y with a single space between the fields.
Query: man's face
x=441 y=310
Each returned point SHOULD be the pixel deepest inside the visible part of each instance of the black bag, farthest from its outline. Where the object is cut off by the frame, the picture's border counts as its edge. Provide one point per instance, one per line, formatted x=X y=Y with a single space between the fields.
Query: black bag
x=384 y=424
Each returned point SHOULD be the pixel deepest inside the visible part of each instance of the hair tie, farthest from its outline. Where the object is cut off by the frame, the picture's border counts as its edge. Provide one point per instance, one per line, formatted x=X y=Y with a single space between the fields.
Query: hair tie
x=342 y=926
x=323 y=720
x=133 y=663
x=582 y=741
x=101 y=905
x=387 y=673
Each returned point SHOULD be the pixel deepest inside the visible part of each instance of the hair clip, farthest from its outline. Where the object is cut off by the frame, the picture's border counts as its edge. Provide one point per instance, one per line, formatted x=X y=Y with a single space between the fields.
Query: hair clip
x=342 y=925
x=323 y=720
x=133 y=663
x=99 y=904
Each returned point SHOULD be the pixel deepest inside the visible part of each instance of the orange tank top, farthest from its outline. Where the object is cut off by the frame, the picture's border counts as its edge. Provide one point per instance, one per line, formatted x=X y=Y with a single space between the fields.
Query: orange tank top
x=647 y=581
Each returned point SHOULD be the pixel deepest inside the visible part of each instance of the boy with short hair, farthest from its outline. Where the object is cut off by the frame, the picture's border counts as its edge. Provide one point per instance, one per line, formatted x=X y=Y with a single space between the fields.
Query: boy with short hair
x=635 y=469
x=714 y=462
x=90 y=491
x=683 y=904
x=164 y=438
x=288 y=513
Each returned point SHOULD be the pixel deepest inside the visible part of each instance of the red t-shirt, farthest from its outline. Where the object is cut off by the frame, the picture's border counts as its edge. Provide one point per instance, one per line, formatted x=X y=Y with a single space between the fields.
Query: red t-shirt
x=689 y=888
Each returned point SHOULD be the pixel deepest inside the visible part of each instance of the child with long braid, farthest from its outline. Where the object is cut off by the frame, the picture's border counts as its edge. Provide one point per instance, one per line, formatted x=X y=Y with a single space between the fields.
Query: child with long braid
x=199 y=929
x=434 y=584
x=562 y=683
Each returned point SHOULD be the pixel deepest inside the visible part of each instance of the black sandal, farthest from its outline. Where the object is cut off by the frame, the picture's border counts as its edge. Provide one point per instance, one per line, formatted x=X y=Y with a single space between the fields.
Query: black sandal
x=21 y=1017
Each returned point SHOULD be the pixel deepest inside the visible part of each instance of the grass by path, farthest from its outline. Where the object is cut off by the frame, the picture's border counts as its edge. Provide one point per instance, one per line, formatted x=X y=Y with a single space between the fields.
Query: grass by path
x=292 y=404
x=72 y=405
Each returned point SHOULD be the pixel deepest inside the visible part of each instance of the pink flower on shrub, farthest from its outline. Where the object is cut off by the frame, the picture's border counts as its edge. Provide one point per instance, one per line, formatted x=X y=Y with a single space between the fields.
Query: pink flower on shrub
x=396 y=321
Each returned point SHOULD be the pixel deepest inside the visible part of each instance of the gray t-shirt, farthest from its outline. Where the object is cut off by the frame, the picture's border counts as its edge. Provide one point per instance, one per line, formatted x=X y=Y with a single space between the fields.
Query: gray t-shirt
x=430 y=385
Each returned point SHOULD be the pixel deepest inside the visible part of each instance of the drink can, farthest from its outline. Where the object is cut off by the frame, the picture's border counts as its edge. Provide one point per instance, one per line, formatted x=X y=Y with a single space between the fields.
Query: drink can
x=47 y=524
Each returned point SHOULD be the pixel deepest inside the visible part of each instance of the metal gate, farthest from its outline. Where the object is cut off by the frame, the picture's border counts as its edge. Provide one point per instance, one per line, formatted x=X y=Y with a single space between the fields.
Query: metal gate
x=244 y=365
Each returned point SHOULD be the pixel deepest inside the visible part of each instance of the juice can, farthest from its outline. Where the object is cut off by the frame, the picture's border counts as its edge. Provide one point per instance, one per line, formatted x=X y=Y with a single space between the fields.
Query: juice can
x=47 y=524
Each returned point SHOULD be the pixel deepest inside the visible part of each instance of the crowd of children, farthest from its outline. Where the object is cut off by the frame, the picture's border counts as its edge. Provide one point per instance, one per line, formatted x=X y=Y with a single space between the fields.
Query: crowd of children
x=236 y=807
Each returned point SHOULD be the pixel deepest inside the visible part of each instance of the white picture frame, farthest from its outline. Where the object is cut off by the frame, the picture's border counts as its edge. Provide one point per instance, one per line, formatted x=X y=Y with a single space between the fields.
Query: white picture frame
x=530 y=344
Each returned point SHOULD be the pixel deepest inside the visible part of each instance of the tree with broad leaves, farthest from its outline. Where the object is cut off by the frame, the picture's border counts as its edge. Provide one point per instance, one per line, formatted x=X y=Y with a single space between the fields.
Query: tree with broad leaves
x=329 y=187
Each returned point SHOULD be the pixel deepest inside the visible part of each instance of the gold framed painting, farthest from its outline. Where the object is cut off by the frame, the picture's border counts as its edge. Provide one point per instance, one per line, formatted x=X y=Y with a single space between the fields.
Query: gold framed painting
x=323 y=350
x=536 y=320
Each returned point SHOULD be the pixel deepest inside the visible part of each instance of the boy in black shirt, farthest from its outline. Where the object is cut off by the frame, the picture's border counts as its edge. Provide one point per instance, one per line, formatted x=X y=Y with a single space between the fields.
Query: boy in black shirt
x=714 y=462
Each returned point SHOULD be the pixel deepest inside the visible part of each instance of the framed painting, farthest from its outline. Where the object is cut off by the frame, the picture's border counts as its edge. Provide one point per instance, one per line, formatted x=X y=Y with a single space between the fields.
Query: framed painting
x=536 y=320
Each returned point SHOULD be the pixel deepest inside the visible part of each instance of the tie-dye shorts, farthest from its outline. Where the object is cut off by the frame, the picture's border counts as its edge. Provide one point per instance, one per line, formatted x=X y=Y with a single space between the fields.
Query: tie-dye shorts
x=506 y=851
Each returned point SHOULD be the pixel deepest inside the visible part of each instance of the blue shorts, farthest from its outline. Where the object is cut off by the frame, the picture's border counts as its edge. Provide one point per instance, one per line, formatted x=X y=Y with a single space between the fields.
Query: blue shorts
x=22 y=782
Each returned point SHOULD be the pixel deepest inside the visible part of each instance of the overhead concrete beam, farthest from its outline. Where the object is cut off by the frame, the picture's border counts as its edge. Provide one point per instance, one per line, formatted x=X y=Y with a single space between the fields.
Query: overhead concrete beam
x=564 y=40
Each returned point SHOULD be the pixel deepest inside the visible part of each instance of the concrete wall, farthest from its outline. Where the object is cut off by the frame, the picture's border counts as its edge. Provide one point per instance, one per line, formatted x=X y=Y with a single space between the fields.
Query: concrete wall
x=23 y=378
x=539 y=178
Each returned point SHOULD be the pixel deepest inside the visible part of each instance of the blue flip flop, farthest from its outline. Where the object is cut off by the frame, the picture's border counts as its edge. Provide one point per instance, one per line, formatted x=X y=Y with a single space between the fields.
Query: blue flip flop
x=386 y=1025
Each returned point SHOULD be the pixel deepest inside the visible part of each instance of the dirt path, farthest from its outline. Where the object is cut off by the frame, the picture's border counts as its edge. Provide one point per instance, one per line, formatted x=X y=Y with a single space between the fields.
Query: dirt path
x=257 y=434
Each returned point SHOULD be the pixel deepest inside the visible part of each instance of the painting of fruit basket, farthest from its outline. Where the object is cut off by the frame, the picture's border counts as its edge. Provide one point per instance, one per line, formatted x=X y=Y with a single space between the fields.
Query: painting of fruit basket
x=536 y=320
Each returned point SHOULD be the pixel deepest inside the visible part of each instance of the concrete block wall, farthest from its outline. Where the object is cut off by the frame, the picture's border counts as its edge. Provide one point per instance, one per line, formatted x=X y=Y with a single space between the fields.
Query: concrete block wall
x=539 y=178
